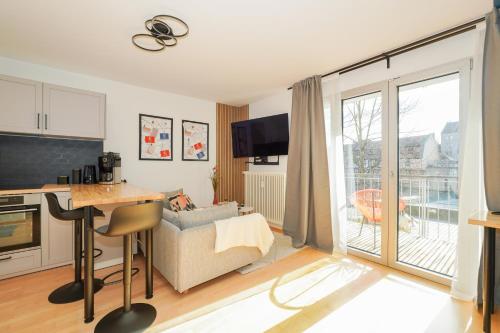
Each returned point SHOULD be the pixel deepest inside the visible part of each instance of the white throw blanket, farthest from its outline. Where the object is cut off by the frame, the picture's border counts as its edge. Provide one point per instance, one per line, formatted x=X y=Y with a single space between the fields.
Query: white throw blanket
x=246 y=230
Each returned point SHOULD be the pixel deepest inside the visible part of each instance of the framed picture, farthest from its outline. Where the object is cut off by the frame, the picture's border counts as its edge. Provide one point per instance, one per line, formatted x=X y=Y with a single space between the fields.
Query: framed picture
x=155 y=138
x=194 y=141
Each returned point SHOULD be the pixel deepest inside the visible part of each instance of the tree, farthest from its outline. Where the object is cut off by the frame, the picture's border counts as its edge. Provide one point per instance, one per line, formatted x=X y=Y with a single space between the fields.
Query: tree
x=361 y=119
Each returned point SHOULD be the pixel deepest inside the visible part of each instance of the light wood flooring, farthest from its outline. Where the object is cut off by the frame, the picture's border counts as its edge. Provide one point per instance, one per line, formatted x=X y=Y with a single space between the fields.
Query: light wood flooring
x=307 y=291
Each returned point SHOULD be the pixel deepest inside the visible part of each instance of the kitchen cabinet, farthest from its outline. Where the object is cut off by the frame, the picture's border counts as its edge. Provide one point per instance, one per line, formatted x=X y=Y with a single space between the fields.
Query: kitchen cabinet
x=20 y=105
x=73 y=112
x=13 y=263
x=33 y=107
x=57 y=235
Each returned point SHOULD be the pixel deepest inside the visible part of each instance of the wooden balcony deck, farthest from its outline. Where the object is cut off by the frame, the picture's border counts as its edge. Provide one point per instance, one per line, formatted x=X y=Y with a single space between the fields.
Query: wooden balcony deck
x=435 y=251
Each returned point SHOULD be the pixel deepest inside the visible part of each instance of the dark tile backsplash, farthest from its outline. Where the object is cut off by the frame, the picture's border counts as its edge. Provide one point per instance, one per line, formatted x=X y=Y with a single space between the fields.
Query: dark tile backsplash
x=26 y=160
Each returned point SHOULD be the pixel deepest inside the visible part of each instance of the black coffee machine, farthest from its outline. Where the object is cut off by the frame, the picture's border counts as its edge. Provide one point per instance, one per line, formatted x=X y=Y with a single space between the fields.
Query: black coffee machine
x=106 y=165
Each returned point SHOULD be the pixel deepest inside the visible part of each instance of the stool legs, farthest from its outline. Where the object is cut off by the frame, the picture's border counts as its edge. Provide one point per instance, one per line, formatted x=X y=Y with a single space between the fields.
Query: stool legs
x=74 y=291
x=149 y=263
x=131 y=317
x=127 y=272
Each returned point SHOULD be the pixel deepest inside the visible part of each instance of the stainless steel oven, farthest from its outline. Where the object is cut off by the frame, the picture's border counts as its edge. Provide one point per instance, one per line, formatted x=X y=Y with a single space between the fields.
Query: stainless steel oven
x=19 y=222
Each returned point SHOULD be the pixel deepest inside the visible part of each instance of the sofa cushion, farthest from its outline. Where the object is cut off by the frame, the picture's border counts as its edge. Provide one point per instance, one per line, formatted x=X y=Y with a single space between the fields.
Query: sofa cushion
x=194 y=218
x=172 y=217
x=181 y=202
x=166 y=202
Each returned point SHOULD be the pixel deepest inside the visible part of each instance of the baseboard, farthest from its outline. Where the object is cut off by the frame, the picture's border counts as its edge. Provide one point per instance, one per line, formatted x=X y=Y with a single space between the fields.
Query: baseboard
x=108 y=263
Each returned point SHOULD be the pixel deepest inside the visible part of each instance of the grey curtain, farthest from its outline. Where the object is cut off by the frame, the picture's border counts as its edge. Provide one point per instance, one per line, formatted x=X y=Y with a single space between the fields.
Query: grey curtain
x=307 y=203
x=491 y=134
x=491 y=110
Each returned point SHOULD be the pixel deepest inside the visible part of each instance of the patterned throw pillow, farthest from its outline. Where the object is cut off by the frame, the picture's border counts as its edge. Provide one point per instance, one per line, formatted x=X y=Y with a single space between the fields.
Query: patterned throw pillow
x=180 y=202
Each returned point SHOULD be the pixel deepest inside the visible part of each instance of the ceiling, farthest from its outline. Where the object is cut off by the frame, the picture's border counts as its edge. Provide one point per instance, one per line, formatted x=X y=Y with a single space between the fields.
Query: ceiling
x=236 y=52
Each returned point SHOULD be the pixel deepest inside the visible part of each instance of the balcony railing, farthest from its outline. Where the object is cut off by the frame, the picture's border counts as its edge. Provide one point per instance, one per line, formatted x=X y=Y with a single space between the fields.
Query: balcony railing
x=431 y=202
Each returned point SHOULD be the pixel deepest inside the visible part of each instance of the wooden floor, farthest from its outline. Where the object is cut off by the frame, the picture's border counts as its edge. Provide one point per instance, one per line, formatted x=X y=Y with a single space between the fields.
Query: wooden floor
x=307 y=291
x=431 y=252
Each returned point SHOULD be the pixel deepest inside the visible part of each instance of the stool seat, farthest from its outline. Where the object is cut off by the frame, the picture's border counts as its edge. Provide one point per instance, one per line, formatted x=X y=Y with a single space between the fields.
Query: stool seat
x=103 y=229
x=60 y=213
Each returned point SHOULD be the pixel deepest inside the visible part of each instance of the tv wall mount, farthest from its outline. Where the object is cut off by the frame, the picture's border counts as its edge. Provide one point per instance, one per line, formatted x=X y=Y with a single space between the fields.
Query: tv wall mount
x=264 y=160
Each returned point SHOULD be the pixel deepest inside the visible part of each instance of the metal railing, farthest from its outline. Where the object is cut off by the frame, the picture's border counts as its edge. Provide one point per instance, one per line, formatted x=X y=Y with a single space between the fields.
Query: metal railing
x=431 y=202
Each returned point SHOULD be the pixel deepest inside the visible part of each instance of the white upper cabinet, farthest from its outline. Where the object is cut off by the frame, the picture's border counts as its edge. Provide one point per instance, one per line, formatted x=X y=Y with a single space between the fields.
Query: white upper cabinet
x=20 y=105
x=38 y=108
x=73 y=112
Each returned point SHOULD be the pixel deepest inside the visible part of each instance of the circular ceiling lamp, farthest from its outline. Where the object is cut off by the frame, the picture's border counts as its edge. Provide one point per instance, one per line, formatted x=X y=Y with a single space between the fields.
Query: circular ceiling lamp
x=164 y=31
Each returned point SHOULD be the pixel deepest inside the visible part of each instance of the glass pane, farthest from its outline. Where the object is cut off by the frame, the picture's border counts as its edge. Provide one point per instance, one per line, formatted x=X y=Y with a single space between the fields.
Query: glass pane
x=15 y=229
x=362 y=137
x=429 y=142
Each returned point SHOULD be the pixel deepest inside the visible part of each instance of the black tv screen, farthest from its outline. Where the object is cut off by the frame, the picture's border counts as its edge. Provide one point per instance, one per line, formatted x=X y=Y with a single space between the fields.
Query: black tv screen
x=257 y=137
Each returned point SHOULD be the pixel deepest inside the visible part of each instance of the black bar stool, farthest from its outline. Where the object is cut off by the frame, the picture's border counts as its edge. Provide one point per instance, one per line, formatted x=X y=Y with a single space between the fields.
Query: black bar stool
x=72 y=291
x=125 y=221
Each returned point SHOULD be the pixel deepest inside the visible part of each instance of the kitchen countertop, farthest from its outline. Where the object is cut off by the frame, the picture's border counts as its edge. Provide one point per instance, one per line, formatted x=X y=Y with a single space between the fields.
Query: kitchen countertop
x=44 y=189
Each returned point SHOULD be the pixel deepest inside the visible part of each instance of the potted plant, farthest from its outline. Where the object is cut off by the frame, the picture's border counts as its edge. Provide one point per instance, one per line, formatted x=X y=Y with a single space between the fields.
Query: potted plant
x=214 y=177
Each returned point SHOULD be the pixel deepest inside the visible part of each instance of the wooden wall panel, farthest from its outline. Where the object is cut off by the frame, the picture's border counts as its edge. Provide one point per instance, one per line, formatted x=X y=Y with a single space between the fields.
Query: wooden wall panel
x=232 y=182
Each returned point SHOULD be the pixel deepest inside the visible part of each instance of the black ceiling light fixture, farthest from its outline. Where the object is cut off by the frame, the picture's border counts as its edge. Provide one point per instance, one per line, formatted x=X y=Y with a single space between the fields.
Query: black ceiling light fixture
x=162 y=33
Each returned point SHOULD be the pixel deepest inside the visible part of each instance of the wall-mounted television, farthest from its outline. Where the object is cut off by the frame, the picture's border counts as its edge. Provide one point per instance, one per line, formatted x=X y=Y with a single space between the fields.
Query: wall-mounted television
x=259 y=137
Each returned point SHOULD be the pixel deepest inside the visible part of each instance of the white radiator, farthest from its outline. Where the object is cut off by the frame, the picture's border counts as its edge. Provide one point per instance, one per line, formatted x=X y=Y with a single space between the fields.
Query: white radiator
x=265 y=192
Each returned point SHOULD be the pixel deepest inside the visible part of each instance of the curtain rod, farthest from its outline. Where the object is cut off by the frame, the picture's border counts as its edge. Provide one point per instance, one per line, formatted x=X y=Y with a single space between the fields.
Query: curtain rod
x=408 y=47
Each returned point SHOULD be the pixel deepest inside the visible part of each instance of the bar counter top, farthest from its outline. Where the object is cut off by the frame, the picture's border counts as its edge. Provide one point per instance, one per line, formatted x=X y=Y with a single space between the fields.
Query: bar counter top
x=96 y=194
x=485 y=219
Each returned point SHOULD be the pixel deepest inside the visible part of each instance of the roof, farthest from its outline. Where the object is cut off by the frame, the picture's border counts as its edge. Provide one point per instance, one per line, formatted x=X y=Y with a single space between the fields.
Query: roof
x=414 y=141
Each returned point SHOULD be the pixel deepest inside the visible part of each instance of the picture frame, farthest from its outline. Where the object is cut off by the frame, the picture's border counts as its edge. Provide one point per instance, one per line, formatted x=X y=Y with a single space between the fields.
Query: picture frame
x=155 y=138
x=195 y=141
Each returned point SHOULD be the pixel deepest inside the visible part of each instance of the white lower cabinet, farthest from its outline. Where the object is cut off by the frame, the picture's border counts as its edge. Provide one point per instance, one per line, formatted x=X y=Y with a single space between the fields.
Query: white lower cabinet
x=57 y=235
x=19 y=262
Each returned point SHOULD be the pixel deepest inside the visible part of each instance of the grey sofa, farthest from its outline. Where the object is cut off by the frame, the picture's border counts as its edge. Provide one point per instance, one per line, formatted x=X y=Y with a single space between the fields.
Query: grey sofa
x=184 y=246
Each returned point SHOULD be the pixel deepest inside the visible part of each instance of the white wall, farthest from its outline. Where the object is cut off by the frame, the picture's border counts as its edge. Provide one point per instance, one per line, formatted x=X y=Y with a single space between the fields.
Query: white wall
x=446 y=51
x=124 y=103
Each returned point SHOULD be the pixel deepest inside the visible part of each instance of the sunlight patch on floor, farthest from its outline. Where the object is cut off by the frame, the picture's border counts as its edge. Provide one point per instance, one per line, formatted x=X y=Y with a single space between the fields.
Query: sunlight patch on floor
x=283 y=298
x=391 y=305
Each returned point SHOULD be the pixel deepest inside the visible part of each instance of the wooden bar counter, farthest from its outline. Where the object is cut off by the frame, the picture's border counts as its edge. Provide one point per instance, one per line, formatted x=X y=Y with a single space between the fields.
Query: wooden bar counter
x=95 y=194
x=88 y=196
x=490 y=222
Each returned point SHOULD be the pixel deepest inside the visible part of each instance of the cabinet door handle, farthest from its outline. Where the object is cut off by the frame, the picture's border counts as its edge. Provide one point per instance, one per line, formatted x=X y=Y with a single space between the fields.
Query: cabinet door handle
x=46 y=120
x=38 y=121
x=18 y=211
x=6 y=258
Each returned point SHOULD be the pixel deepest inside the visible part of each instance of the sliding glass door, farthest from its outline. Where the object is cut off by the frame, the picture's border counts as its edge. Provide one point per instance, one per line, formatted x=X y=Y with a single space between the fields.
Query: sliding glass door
x=363 y=114
x=401 y=161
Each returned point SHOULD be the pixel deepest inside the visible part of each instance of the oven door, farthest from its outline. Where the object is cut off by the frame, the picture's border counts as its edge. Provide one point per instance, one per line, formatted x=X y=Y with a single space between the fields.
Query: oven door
x=19 y=227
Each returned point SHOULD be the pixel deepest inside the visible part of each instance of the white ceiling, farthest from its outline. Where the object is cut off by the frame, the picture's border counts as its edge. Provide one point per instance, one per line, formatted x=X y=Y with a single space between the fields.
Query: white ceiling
x=236 y=52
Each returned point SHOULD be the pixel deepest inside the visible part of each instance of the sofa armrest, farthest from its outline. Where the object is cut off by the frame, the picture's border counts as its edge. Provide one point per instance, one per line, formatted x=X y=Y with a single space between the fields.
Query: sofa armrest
x=165 y=248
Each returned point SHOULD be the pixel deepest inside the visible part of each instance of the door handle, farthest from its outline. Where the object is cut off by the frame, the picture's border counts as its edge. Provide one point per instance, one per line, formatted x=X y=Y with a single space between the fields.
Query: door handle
x=38 y=120
x=46 y=120
x=6 y=258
